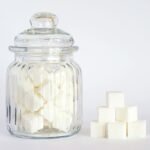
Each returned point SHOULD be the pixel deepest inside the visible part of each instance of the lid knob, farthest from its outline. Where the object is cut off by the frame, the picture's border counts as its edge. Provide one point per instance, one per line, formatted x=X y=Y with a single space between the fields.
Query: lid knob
x=43 y=20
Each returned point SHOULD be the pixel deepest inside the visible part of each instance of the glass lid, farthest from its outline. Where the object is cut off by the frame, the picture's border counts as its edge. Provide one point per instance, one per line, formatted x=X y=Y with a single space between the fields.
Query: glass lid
x=43 y=34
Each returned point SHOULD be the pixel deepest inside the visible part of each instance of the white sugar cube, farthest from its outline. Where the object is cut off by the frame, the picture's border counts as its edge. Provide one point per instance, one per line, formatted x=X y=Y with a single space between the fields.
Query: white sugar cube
x=48 y=112
x=65 y=103
x=32 y=123
x=98 y=130
x=106 y=114
x=60 y=89
x=64 y=91
x=46 y=91
x=116 y=130
x=23 y=87
x=47 y=124
x=115 y=99
x=38 y=75
x=126 y=114
x=24 y=80
x=32 y=102
x=26 y=84
x=62 y=121
x=137 y=129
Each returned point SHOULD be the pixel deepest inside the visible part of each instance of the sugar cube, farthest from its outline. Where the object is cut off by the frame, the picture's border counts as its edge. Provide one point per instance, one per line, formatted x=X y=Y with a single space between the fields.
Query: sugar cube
x=62 y=121
x=126 y=114
x=64 y=91
x=46 y=91
x=98 y=130
x=116 y=130
x=115 y=99
x=137 y=129
x=47 y=124
x=38 y=75
x=32 y=122
x=32 y=102
x=48 y=112
x=106 y=114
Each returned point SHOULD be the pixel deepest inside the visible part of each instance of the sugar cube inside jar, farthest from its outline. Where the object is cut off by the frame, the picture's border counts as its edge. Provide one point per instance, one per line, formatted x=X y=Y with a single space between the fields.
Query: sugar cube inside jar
x=44 y=86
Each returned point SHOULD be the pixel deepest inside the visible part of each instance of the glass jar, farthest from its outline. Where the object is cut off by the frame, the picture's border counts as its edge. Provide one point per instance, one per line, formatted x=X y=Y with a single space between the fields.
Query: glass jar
x=44 y=86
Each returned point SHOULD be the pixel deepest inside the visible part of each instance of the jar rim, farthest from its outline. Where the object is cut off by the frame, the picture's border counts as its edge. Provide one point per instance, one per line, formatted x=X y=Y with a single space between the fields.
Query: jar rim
x=43 y=50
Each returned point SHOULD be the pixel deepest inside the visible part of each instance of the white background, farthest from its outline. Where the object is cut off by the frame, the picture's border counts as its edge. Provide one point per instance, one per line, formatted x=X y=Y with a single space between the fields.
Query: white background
x=114 y=54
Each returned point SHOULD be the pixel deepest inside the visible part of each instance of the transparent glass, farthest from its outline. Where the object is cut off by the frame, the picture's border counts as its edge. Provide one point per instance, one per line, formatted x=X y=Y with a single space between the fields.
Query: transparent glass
x=44 y=95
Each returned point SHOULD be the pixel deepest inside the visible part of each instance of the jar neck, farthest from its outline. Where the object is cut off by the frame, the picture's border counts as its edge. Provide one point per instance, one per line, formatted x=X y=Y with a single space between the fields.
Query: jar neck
x=43 y=57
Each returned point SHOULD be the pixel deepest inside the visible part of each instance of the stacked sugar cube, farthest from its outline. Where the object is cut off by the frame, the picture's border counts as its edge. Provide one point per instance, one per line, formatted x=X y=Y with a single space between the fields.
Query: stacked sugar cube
x=117 y=121
x=43 y=98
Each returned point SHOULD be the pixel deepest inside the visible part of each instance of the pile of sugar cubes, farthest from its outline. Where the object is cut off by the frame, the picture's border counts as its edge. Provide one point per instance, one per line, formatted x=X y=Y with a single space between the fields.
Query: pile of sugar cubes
x=117 y=121
x=43 y=98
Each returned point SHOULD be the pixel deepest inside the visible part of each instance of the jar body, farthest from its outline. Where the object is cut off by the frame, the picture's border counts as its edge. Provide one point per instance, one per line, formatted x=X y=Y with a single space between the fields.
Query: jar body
x=44 y=96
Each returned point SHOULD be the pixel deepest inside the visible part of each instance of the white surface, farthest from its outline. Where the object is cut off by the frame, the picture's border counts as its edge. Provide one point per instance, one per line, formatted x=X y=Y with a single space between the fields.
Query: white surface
x=114 y=41
x=77 y=142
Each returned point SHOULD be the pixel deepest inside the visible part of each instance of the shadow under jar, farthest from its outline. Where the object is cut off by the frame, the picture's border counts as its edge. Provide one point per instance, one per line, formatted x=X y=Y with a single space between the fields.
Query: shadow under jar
x=44 y=85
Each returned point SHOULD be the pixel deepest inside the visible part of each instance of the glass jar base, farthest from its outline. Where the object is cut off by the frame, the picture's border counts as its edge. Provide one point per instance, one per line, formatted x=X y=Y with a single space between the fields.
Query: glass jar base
x=44 y=136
